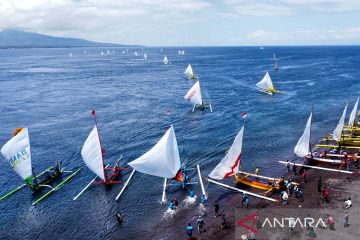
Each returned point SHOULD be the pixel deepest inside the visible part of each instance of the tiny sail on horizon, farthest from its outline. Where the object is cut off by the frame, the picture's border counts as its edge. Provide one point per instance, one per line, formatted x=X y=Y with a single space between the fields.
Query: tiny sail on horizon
x=338 y=130
x=165 y=60
x=266 y=85
x=91 y=153
x=70 y=55
x=17 y=152
x=353 y=114
x=136 y=53
x=189 y=72
x=302 y=147
x=145 y=56
x=229 y=165
x=194 y=94
x=162 y=160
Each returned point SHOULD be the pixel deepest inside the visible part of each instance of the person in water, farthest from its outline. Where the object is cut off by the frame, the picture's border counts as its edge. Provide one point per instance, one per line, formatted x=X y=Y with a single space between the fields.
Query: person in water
x=118 y=217
x=191 y=193
x=171 y=205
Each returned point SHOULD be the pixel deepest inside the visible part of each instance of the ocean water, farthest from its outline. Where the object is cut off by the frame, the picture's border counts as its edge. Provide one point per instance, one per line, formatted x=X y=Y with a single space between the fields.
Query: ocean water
x=53 y=94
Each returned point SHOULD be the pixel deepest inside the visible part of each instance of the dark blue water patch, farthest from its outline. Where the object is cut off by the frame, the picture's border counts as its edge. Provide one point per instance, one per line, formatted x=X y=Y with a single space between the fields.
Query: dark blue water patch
x=53 y=95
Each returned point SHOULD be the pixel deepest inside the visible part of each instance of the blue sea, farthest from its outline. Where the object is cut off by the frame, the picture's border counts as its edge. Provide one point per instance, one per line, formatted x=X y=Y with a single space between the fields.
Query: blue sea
x=53 y=95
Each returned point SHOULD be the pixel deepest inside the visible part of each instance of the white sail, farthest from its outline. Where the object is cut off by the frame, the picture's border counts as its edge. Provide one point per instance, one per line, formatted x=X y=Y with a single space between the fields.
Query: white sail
x=123 y=52
x=17 y=152
x=229 y=165
x=189 y=72
x=102 y=53
x=108 y=52
x=145 y=56
x=179 y=52
x=194 y=94
x=166 y=61
x=353 y=114
x=338 y=130
x=302 y=147
x=70 y=55
x=136 y=53
x=182 y=52
x=266 y=84
x=92 y=154
x=162 y=160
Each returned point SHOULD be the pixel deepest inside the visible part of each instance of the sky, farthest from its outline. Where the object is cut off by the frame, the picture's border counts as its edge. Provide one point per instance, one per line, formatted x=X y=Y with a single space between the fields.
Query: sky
x=190 y=22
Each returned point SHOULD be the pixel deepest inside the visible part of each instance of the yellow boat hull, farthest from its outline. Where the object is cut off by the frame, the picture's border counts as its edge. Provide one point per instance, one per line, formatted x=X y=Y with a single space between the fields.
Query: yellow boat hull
x=252 y=183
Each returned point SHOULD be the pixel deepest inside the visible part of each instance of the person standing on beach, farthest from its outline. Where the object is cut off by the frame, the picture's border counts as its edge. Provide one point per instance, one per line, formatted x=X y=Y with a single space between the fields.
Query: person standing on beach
x=294 y=169
x=303 y=176
x=217 y=208
x=326 y=194
x=346 y=219
x=288 y=165
x=331 y=222
x=200 y=224
x=319 y=185
x=189 y=231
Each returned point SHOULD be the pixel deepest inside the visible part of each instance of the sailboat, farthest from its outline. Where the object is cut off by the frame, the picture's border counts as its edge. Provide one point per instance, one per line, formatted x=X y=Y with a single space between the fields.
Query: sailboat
x=189 y=72
x=182 y=52
x=230 y=165
x=92 y=154
x=194 y=96
x=17 y=152
x=163 y=160
x=303 y=150
x=123 y=52
x=165 y=60
x=145 y=57
x=179 y=52
x=136 y=53
x=274 y=57
x=70 y=55
x=276 y=67
x=102 y=53
x=266 y=85
x=108 y=52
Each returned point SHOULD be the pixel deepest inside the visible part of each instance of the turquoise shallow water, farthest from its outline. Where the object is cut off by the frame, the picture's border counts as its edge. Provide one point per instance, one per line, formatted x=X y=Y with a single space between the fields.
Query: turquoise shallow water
x=53 y=94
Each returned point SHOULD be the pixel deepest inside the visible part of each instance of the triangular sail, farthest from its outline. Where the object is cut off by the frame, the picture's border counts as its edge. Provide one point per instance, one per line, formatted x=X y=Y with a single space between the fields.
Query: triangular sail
x=302 y=147
x=266 y=84
x=353 y=114
x=229 y=165
x=189 y=72
x=166 y=61
x=338 y=130
x=194 y=94
x=145 y=56
x=162 y=160
x=17 y=152
x=91 y=153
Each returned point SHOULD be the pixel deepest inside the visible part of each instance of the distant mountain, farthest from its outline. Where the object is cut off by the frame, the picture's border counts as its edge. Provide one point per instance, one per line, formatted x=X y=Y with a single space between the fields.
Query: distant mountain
x=11 y=38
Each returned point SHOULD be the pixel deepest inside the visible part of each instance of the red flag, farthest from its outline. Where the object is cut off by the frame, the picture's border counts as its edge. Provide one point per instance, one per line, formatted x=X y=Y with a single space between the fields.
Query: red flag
x=244 y=115
x=179 y=176
x=93 y=112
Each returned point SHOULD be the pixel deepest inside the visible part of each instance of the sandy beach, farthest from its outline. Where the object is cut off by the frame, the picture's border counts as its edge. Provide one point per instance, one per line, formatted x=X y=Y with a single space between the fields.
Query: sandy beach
x=341 y=187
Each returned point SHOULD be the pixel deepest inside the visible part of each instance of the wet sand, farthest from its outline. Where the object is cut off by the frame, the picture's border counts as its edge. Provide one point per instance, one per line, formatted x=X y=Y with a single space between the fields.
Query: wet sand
x=341 y=187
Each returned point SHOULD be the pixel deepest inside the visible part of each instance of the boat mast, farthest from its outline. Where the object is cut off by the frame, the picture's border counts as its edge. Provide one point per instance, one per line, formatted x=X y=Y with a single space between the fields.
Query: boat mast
x=102 y=157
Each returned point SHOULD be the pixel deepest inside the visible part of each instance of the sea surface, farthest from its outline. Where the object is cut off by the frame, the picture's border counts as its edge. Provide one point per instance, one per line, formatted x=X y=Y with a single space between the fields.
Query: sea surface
x=136 y=101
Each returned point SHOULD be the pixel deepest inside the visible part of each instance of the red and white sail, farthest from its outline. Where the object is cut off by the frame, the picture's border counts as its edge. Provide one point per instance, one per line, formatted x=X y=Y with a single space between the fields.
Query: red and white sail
x=162 y=160
x=229 y=165
x=194 y=94
x=91 y=153
x=302 y=147
x=338 y=130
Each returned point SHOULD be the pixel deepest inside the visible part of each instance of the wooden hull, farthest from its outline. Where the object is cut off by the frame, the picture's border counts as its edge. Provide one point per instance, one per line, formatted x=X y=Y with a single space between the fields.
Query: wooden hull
x=252 y=183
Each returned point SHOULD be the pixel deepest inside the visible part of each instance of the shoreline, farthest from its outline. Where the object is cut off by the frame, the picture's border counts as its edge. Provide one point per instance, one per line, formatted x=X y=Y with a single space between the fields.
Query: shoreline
x=338 y=184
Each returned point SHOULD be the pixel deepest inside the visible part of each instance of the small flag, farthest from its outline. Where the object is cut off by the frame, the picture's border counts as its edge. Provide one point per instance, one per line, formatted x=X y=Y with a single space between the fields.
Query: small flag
x=244 y=115
x=179 y=176
x=93 y=112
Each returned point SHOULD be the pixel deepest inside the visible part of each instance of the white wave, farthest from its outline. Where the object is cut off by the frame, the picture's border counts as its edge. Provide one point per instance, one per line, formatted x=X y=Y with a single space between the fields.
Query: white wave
x=188 y=201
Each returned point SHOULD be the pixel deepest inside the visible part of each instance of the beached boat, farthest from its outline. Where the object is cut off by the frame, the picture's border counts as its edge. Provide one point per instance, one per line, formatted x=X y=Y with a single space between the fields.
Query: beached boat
x=17 y=152
x=230 y=165
x=195 y=97
x=189 y=72
x=266 y=85
x=92 y=154
x=163 y=160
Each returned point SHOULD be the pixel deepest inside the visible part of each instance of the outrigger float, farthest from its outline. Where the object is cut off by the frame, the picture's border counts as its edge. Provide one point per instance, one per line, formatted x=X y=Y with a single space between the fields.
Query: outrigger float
x=17 y=152
x=194 y=96
x=230 y=165
x=163 y=160
x=92 y=154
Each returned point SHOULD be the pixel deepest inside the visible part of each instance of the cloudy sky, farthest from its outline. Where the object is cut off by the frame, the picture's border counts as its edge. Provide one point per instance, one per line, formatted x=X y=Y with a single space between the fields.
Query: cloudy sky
x=190 y=22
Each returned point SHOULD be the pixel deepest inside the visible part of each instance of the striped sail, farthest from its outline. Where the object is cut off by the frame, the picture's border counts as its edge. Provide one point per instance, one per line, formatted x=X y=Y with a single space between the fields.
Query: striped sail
x=162 y=160
x=17 y=152
x=353 y=114
x=338 y=130
x=302 y=147
x=91 y=153
x=229 y=165
x=194 y=94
